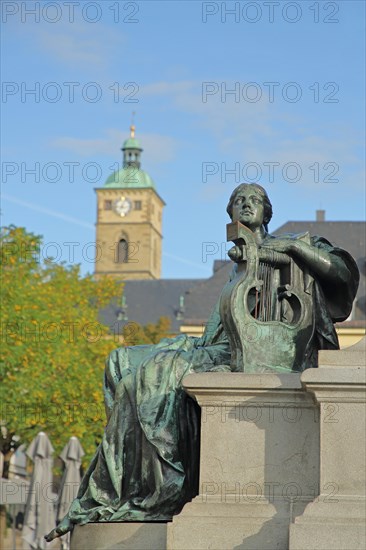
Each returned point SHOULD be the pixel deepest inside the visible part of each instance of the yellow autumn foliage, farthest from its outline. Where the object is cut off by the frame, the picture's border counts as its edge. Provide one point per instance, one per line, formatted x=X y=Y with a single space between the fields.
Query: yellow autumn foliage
x=53 y=347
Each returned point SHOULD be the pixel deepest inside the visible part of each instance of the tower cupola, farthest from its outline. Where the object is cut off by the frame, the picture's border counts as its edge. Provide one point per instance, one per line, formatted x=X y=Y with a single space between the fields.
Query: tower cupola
x=131 y=150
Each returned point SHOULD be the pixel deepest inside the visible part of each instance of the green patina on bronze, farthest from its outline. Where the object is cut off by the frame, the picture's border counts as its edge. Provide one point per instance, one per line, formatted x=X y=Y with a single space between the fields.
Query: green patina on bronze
x=146 y=467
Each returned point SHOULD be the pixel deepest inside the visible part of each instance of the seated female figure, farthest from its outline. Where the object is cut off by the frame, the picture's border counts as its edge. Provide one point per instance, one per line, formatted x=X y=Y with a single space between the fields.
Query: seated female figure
x=146 y=467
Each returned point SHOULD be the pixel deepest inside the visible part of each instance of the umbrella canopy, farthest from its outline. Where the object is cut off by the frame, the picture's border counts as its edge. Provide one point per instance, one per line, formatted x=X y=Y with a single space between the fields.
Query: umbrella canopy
x=39 y=513
x=71 y=455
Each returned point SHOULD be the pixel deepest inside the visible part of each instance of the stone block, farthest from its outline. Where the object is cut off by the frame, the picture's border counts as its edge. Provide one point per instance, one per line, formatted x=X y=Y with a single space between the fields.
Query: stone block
x=119 y=536
x=336 y=519
x=259 y=464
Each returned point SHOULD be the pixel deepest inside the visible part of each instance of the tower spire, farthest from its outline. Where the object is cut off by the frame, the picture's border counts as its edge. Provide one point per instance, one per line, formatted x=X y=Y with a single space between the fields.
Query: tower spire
x=131 y=148
x=132 y=127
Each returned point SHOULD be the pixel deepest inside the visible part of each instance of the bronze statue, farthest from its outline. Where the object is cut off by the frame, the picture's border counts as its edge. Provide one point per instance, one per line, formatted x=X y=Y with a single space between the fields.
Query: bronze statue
x=146 y=467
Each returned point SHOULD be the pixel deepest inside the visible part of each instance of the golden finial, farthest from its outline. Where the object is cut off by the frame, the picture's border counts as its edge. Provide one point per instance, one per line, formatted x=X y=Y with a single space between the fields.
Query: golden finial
x=132 y=127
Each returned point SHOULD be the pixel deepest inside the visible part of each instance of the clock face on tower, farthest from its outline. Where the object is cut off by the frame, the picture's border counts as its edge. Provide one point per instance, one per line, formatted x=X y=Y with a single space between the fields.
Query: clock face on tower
x=122 y=206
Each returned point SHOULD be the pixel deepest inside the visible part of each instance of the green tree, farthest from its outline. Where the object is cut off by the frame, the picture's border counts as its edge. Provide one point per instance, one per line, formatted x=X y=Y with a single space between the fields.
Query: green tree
x=134 y=334
x=53 y=347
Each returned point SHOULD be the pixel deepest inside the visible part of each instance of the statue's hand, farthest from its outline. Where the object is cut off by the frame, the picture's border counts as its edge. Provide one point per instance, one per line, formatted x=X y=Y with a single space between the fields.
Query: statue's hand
x=285 y=246
x=235 y=254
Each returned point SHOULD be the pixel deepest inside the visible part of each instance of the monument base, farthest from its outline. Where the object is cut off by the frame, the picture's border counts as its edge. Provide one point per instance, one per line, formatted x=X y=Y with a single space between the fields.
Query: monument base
x=259 y=462
x=228 y=525
x=336 y=518
x=119 y=536
x=337 y=524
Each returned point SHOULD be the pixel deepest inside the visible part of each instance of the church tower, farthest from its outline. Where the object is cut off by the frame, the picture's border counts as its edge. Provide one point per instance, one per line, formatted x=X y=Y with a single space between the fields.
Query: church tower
x=129 y=220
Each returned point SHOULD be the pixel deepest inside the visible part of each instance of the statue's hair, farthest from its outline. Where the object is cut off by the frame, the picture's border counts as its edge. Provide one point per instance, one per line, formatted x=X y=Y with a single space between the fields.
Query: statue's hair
x=259 y=190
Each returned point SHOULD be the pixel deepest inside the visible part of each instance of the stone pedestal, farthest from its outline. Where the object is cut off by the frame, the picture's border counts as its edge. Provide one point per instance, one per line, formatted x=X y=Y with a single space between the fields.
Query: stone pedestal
x=336 y=519
x=119 y=536
x=259 y=464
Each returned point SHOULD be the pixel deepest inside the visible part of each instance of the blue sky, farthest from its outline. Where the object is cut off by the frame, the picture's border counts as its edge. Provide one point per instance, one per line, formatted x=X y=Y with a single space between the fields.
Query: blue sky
x=294 y=120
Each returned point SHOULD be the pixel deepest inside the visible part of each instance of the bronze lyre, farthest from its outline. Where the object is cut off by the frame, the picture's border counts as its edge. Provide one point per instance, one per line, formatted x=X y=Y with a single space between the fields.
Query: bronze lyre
x=266 y=308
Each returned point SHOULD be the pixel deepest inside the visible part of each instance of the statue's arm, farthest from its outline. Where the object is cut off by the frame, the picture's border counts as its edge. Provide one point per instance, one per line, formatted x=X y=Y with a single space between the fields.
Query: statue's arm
x=319 y=259
x=322 y=262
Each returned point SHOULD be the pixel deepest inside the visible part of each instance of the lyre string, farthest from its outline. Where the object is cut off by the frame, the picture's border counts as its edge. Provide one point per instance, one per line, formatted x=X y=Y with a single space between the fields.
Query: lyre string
x=265 y=298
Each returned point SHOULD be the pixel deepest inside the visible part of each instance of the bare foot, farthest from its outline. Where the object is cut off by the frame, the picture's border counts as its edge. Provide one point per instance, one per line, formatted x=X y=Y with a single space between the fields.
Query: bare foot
x=62 y=528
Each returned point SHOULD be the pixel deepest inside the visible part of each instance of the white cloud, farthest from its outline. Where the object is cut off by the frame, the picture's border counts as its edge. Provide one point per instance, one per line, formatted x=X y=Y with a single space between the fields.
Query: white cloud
x=244 y=132
x=79 y=44
x=159 y=148
x=259 y=132
x=89 y=147
x=73 y=49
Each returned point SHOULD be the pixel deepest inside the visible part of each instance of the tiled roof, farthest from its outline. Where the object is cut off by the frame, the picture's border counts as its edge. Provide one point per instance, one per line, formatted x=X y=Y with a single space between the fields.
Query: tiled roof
x=201 y=298
x=147 y=301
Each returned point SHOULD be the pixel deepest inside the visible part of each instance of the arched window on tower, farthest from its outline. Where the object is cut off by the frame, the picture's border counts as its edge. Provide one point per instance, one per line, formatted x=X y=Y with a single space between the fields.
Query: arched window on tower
x=122 y=251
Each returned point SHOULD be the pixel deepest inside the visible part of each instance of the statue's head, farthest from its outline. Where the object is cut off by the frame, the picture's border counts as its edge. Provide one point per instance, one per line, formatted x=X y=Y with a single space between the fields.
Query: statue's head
x=257 y=190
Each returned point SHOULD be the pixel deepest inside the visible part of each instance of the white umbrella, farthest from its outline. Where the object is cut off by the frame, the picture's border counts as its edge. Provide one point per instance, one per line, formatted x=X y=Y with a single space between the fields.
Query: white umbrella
x=39 y=513
x=71 y=455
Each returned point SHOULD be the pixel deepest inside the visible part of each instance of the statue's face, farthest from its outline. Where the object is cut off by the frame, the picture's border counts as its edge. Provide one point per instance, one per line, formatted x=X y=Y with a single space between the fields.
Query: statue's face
x=248 y=208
